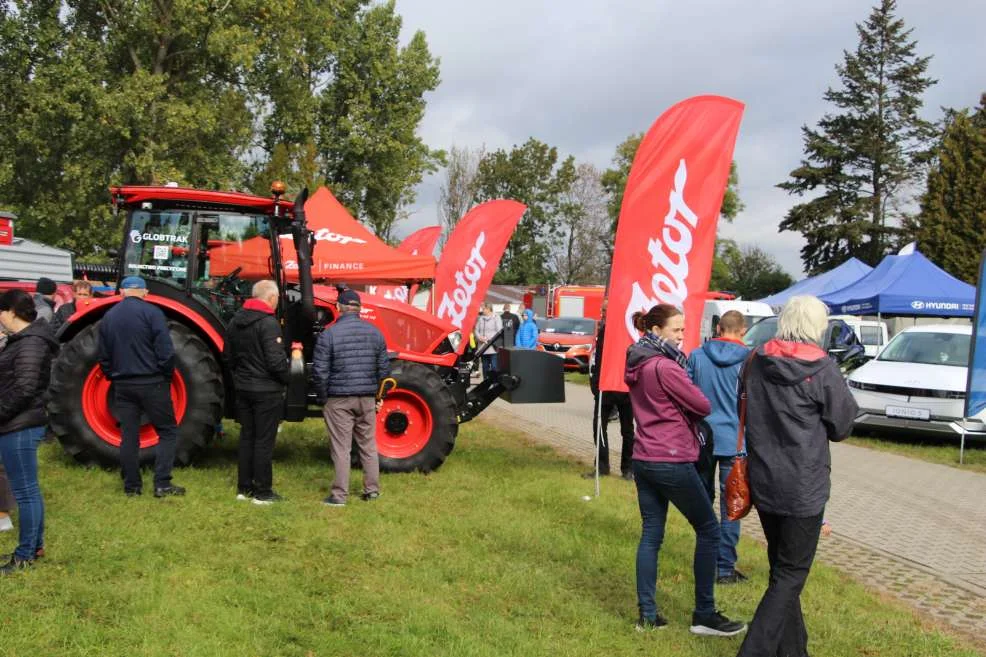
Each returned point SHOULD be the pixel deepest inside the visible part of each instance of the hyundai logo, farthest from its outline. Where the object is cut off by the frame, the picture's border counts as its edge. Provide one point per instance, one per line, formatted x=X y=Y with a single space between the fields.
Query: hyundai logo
x=917 y=305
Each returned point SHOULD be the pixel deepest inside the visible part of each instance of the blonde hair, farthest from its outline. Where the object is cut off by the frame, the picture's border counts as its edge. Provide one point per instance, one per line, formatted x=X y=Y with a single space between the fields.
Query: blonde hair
x=263 y=289
x=803 y=319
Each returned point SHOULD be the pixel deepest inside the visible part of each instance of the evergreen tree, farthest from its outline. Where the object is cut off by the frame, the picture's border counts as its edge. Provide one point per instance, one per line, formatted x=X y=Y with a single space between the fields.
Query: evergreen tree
x=865 y=157
x=951 y=227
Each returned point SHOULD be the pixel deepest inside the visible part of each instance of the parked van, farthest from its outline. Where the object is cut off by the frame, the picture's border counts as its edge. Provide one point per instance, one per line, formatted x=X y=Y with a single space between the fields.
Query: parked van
x=872 y=333
x=714 y=309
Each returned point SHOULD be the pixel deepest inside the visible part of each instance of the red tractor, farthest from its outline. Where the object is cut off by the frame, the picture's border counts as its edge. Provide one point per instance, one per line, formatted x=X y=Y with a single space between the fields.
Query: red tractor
x=191 y=247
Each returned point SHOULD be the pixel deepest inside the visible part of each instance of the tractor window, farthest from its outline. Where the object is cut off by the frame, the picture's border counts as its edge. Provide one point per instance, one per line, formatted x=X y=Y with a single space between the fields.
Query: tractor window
x=157 y=245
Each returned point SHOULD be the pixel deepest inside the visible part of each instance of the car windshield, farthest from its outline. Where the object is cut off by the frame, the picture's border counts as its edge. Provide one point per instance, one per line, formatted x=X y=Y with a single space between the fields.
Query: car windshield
x=572 y=325
x=761 y=332
x=928 y=348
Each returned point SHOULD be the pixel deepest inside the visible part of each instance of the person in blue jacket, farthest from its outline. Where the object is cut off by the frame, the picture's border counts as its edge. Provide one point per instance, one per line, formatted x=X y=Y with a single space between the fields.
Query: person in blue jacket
x=715 y=369
x=527 y=334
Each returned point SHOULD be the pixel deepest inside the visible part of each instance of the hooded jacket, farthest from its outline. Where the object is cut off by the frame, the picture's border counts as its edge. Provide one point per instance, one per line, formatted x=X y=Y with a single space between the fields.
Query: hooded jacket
x=45 y=308
x=715 y=369
x=527 y=334
x=26 y=366
x=666 y=406
x=797 y=401
x=254 y=349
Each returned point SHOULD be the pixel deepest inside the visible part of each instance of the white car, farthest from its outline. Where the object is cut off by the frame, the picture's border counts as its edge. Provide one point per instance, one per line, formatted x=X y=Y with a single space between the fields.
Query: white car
x=917 y=384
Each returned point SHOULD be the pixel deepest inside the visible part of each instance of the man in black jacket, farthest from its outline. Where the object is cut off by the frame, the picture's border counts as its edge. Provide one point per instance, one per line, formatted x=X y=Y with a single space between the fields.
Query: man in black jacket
x=254 y=353
x=137 y=355
x=350 y=361
x=511 y=323
x=604 y=403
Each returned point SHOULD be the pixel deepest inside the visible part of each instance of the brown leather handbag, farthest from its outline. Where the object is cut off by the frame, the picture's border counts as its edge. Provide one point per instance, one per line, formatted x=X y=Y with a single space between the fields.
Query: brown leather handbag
x=738 y=501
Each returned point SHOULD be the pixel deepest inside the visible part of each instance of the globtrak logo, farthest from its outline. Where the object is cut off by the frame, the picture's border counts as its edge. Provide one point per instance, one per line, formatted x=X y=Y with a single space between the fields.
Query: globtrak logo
x=137 y=237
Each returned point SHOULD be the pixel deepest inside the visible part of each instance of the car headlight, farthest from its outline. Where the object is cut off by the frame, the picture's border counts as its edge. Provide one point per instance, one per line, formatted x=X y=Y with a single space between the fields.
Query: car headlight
x=455 y=339
x=583 y=346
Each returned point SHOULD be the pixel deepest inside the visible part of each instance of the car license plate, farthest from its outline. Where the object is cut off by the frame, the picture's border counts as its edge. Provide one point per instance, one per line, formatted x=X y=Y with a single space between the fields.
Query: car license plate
x=908 y=413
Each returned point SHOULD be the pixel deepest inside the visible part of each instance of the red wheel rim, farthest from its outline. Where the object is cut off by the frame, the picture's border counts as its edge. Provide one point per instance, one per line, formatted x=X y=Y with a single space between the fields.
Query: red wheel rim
x=96 y=408
x=410 y=441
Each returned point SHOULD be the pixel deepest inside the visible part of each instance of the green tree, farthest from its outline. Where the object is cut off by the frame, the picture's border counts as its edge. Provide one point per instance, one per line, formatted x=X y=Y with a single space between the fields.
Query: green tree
x=533 y=175
x=748 y=271
x=864 y=158
x=368 y=118
x=951 y=226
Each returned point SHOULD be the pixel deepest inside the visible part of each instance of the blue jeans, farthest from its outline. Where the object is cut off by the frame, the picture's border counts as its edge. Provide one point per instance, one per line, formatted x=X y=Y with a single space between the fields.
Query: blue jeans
x=679 y=484
x=729 y=530
x=19 y=451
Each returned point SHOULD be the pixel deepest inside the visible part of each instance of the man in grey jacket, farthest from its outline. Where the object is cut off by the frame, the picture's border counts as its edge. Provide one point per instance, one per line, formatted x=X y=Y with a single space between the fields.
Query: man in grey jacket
x=44 y=298
x=488 y=325
x=349 y=363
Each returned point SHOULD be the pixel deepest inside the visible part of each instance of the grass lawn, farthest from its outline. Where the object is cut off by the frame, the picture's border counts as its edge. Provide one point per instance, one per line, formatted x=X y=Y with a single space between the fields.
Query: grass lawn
x=495 y=554
x=933 y=450
x=577 y=377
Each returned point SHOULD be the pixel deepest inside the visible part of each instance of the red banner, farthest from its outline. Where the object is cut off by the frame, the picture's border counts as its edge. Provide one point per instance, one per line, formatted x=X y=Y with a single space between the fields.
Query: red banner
x=420 y=242
x=471 y=257
x=666 y=234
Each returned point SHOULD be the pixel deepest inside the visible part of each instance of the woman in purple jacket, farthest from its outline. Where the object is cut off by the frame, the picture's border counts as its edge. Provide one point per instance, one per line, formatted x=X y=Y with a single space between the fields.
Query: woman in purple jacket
x=666 y=406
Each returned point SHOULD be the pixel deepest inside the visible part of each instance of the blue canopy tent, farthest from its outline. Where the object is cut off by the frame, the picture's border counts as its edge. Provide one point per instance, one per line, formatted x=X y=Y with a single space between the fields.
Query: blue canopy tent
x=835 y=279
x=908 y=285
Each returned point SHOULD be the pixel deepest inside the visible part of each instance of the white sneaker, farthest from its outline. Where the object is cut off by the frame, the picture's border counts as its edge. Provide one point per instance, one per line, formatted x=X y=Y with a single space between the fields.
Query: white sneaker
x=241 y=497
x=6 y=524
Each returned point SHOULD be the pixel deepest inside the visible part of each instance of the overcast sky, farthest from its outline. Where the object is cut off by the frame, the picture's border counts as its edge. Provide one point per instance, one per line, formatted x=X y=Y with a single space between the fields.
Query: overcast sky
x=582 y=75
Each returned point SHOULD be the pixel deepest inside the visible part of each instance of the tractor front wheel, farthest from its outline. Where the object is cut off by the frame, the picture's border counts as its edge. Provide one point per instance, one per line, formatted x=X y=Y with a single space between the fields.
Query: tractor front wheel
x=417 y=426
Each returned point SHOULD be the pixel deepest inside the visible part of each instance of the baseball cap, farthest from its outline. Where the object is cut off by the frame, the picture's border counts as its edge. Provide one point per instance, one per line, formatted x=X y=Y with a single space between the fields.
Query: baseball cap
x=45 y=286
x=133 y=283
x=349 y=298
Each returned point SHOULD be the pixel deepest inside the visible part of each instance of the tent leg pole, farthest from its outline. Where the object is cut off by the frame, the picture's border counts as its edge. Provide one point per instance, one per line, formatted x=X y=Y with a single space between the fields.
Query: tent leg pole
x=962 y=445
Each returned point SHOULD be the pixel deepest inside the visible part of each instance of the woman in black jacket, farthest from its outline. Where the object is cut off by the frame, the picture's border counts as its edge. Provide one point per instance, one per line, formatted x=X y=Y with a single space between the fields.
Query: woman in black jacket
x=26 y=367
x=796 y=403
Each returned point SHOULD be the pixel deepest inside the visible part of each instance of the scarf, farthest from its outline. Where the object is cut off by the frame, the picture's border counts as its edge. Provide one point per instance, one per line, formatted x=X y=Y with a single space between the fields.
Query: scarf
x=665 y=348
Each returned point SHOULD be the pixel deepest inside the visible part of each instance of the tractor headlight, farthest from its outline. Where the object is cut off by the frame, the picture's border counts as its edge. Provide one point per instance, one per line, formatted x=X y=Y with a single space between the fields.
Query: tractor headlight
x=455 y=339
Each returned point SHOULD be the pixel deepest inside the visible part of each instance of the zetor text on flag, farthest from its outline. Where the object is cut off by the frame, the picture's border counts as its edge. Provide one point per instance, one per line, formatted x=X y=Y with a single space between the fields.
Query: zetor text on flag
x=470 y=258
x=420 y=242
x=665 y=238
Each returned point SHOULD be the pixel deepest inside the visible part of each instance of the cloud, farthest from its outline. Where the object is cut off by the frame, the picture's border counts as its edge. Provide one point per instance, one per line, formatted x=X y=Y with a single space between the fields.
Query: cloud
x=583 y=75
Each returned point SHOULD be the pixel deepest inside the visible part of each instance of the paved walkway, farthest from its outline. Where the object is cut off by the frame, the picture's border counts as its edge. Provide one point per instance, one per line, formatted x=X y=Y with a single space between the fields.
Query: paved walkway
x=912 y=529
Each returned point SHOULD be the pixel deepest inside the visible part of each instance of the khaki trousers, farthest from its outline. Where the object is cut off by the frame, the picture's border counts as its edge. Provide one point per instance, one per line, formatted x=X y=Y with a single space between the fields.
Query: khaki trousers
x=347 y=418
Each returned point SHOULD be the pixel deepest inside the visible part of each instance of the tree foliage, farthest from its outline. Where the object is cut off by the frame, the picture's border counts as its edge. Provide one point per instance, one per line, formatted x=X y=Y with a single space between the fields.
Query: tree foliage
x=532 y=174
x=861 y=161
x=206 y=93
x=951 y=226
x=748 y=271
x=458 y=190
x=580 y=255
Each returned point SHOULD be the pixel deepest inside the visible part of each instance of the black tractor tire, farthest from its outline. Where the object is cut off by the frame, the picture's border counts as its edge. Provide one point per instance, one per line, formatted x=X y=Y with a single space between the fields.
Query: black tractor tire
x=420 y=384
x=194 y=361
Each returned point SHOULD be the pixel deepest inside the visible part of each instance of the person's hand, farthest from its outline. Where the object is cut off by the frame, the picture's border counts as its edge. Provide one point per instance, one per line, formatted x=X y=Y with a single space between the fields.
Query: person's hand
x=826 y=529
x=379 y=405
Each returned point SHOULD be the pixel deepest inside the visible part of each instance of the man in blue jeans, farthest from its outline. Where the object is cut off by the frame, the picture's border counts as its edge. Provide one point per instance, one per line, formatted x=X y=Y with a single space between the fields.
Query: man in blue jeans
x=715 y=369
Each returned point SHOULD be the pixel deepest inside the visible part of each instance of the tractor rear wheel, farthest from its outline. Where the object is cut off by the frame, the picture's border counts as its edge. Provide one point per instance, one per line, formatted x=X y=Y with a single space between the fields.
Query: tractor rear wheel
x=81 y=415
x=417 y=426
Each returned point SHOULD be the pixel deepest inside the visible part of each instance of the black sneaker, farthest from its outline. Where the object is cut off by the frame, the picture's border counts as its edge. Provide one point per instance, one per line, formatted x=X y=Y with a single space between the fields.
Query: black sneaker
x=627 y=476
x=264 y=500
x=735 y=577
x=715 y=625
x=646 y=624
x=333 y=501
x=14 y=565
x=38 y=554
x=369 y=497
x=165 y=491
x=132 y=492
